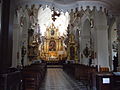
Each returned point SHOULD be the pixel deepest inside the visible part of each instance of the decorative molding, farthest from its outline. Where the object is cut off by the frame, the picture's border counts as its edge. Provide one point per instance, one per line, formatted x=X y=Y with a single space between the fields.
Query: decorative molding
x=65 y=7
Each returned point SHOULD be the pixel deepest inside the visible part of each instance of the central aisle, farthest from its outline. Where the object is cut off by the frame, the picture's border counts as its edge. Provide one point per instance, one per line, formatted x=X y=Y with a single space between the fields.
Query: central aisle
x=57 y=79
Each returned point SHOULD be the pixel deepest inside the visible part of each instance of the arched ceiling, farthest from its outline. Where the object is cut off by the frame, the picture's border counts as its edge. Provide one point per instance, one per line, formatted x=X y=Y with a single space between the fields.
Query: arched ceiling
x=114 y=5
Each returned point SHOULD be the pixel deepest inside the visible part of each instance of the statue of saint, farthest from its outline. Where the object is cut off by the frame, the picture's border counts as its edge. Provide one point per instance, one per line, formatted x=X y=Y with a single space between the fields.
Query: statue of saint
x=71 y=15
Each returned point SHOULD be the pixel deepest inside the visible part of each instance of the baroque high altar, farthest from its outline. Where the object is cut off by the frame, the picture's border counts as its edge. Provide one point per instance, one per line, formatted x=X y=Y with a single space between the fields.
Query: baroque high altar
x=52 y=46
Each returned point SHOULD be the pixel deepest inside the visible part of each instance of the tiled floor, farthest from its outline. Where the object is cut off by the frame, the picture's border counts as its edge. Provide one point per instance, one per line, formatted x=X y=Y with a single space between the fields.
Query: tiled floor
x=57 y=79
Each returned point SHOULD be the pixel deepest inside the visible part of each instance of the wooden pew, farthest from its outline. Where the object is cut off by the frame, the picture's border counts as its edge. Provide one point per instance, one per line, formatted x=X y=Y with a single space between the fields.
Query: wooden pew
x=116 y=81
x=33 y=76
x=81 y=72
x=10 y=81
x=31 y=80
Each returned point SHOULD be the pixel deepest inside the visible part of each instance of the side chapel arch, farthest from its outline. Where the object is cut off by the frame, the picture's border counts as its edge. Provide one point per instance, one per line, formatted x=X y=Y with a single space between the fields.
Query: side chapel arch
x=85 y=41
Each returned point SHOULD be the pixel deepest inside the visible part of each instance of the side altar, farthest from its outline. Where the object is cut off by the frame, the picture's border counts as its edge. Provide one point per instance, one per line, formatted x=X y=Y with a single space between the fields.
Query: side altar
x=52 y=47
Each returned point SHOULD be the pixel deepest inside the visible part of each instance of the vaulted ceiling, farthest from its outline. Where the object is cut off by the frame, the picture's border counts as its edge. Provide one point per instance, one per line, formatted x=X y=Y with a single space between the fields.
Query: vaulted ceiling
x=114 y=5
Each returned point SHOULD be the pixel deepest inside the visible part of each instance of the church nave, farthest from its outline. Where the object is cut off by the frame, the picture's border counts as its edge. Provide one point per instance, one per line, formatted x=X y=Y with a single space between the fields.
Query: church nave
x=59 y=44
x=57 y=79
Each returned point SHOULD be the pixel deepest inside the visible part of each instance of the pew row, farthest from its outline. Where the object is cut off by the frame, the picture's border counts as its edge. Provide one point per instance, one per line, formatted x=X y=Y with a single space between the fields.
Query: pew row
x=11 y=80
x=33 y=76
x=81 y=72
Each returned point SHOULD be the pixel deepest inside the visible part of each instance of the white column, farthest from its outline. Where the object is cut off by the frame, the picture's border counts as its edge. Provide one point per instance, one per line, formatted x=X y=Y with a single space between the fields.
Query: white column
x=118 y=28
x=102 y=46
x=101 y=27
x=110 y=50
x=15 y=60
x=16 y=41
x=119 y=52
x=25 y=39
